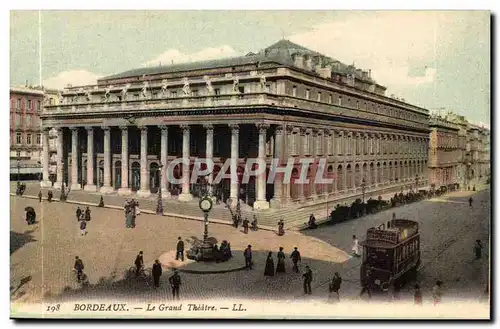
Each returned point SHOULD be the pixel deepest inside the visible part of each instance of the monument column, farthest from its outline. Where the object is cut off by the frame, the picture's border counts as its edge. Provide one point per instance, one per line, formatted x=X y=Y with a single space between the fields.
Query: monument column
x=144 y=189
x=74 y=159
x=185 y=195
x=45 y=145
x=90 y=186
x=124 y=189
x=261 y=202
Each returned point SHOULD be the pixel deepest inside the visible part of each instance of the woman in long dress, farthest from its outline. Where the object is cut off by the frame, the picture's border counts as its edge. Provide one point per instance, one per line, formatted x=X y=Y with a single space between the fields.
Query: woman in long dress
x=280 y=268
x=355 y=246
x=269 y=271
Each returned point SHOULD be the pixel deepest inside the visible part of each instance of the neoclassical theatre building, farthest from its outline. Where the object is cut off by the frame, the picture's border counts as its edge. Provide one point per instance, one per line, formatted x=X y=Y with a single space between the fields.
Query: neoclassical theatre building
x=285 y=101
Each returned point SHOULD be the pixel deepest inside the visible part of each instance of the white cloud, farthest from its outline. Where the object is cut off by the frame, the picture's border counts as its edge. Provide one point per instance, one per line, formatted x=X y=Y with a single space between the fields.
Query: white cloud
x=176 y=56
x=385 y=42
x=75 y=78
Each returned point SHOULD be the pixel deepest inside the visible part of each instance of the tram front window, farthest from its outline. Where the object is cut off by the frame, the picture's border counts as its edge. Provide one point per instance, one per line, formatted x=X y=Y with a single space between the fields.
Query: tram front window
x=379 y=258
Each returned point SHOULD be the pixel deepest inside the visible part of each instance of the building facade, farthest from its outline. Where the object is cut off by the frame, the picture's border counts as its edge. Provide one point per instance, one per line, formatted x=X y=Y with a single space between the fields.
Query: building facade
x=25 y=131
x=446 y=149
x=283 y=102
x=478 y=154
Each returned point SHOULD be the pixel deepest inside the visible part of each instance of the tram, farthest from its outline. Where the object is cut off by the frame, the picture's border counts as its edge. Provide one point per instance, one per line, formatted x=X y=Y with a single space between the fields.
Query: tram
x=391 y=254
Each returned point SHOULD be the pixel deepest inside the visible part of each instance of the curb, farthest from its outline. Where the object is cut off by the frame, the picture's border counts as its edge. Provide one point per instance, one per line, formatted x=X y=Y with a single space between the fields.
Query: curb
x=212 y=272
x=146 y=211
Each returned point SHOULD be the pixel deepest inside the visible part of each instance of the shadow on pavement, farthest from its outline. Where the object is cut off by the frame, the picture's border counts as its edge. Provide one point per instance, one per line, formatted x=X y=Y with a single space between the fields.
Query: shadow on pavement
x=18 y=240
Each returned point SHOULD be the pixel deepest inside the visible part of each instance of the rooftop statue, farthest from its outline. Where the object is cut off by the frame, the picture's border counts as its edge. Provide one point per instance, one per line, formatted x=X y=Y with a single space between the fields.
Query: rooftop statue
x=210 y=88
x=164 y=85
x=186 y=89
x=236 y=83
x=144 y=91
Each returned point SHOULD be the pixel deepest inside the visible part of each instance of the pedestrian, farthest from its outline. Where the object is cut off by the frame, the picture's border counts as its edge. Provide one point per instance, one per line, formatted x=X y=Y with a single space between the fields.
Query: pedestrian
x=366 y=281
x=477 y=249
x=245 y=226
x=248 y=257
x=78 y=213
x=470 y=202
x=355 y=246
x=311 y=224
x=101 y=202
x=254 y=223
x=335 y=287
x=40 y=196
x=175 y=283
x=280 y=267
x=281 y=227
x=156 y=272
x=83 y=227
x=269 y=270
x=180 y=249
x=295 y=256
x=49 y=196
x=417 y=296
x=437 y=292
x=139 y=263
x=87 y=214
x=78 y=268
x=307 y=280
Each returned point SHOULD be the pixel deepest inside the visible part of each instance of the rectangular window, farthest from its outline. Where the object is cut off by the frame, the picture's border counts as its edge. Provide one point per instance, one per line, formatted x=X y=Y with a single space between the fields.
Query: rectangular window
x=28 y=139
x=51 y=101
x=38 y=139
x=357 y=105
x=18 y=138
x=173 y=94
x=340 y=100
x=241 y=90
x=154 y=95
x=29 y=104
x=18 y=103
x=319 y=97
x=268 y=88
x=195 y=92
x=18 y=120
x=39 y=106
x=294 y=91
x=217 y=91
x=308 y=93
x=28 y=120
x=330 y=99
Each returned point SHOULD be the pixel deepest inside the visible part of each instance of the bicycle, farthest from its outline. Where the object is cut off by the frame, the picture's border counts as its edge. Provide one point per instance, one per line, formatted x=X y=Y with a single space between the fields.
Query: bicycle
x=141 y=276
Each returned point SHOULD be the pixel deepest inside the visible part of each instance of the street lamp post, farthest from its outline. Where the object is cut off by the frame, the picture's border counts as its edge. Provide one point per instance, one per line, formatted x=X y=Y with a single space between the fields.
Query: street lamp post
x=159 y=203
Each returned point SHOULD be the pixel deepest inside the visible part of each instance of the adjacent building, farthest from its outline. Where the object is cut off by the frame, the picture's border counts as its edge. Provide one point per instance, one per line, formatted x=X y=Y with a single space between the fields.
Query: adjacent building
x=478 y=154
x=25 y=133
x=285 y=101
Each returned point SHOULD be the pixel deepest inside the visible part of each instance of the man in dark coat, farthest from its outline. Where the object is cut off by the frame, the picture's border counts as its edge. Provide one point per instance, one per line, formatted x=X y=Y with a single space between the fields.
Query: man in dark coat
x=295 y=256
x=366 y=284
x=245 y=226
x=477 y=249
x=139 y=263
x=87 y=214
x=78 y=268
x=470 y=201
x=50 y=196
x=248 y=257
x=175 y=283
x=156 y=271
x=40 y=196
x=307 y=280
x=78 y=213
x=180 y=249
x=335 y=286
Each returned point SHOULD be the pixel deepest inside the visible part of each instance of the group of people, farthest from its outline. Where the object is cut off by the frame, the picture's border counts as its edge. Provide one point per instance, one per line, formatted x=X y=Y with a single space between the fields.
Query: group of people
x=156 y=272
x=245 y=223
x=83 y=217
x=280 y=265
x=20 y=188
x=131 y=209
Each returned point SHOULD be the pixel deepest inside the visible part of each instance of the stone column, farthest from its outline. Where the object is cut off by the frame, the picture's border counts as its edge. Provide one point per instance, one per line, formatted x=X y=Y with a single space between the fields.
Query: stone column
x=90 y=186
x=375 y=175
x=164 y=161
x=144 y=190
x=186 y=193
x=302 y=153
x=277 y=200
x=124 y=189
x=46 y=157
x=261 y=202
x=314 y=166
x=107 y=188
x=59 y=158
x=74 y=159
x=287 y=152
x=210 y=151
x=235 y=153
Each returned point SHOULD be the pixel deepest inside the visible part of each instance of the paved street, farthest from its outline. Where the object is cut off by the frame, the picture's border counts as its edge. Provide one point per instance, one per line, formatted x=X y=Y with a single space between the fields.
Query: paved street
x=46 y=252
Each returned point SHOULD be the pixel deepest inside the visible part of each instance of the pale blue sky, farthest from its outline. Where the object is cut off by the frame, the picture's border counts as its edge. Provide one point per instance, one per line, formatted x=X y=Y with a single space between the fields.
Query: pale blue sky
x=432 y=59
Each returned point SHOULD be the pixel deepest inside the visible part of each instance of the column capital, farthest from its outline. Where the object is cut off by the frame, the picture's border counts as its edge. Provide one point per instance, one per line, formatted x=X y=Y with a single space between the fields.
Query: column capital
x=234 y=127
x=290 y=129
x=262 y=127
x=185 y=128
x=122 y=128
x=143 y=128
x=106 y=128
x=163 y=127
x=74 y=129
x=208 y=126
x=89 y=130
x=279 y=129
